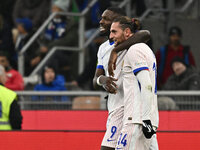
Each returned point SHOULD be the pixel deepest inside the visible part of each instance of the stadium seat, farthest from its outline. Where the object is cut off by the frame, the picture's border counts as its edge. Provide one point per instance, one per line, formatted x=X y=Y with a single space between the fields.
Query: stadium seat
x=166 y=103
x=86 y=102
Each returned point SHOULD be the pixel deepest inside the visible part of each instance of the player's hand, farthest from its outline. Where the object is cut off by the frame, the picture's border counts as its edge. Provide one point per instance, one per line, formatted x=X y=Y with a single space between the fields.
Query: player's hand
x=147 y=129
x=112 y=63
x=108 y=84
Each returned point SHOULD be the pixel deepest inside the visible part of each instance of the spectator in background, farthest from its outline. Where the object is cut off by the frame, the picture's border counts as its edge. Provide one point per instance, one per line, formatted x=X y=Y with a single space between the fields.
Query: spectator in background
x=51 y=82
x=11 y=118
x=25 y=32
x=166 y=53
x=57 y=27
x=60 y=32
x=36 y=10
x=24 y=27
x=6 y=40
x=14 y=79
x=183 y=78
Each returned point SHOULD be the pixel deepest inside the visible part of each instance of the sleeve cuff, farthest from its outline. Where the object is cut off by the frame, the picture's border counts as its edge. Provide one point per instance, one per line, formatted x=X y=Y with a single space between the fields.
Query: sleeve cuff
x=100 y=67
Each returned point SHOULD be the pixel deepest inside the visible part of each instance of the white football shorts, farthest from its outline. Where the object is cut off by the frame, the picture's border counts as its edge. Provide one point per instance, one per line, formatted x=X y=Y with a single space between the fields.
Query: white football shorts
x=113 y=128
x=132 y=138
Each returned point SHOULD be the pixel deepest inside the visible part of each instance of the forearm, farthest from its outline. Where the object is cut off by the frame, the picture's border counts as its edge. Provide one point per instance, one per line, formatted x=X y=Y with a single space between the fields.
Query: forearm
x=141 y=36
x=146 y=93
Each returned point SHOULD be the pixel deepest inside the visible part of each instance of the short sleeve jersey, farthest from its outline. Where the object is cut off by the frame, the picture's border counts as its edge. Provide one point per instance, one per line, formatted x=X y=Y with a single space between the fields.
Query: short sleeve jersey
x=114 y=100
x=139 y=57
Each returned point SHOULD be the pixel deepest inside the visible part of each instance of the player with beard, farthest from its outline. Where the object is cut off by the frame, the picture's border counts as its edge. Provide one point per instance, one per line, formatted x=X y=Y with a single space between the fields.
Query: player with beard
x=140 y=118
x=113 y=85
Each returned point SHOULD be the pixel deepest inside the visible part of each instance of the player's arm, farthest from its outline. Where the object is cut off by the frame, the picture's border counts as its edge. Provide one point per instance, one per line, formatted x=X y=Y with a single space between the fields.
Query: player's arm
x=136 y=58
x=143 y=78
x=100 y=80
x=141 y=36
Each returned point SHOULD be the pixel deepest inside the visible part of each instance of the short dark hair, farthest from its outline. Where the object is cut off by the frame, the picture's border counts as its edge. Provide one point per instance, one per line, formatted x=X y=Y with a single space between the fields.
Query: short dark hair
x=126 y=22
x=175 y=30
x=117 y=10
x=48 y=66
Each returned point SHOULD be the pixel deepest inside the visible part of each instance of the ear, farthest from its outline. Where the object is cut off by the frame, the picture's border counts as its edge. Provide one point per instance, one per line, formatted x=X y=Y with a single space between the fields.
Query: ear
x=127 y=32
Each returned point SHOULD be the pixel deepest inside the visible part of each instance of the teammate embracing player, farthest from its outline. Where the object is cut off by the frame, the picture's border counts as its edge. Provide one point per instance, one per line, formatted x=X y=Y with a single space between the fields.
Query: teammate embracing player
x=140 y=119
x=113 y=85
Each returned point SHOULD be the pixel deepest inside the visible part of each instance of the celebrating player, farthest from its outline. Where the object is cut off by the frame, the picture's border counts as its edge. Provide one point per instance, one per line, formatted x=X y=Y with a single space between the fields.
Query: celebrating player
x=139 y=83
x=113 y=85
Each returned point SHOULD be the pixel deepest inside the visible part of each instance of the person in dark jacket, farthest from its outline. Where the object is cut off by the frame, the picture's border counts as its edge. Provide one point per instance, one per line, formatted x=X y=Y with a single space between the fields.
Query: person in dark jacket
x=51 y=82
x=24 y=27
x=166 y=53
x=184 y=77
x=10 y=114
x=25 y=32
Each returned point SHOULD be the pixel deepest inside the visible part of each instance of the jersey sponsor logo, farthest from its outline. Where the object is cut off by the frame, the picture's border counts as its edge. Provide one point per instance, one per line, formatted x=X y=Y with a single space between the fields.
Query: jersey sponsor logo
x=140 y=63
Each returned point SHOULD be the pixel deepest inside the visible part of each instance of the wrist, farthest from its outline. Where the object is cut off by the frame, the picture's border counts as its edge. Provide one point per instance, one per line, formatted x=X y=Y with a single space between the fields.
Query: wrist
x=98 y=80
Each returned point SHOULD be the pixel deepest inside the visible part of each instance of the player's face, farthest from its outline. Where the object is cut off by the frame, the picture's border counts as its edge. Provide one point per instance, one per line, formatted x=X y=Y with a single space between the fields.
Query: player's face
x=106 y=20
x=116 y=33
x=49 y=75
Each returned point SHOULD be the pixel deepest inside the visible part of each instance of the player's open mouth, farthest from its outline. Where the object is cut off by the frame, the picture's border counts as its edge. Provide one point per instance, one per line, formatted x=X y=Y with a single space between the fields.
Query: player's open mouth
x=102 y=28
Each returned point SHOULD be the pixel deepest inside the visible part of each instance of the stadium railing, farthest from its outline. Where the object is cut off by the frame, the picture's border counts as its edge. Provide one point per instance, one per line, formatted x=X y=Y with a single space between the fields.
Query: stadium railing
x=184 y=8
x=167 y=100
x=81 y=29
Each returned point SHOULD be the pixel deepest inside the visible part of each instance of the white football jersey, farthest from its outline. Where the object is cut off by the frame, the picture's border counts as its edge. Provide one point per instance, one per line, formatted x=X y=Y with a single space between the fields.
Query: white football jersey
x=139 y=57
x=114 y=100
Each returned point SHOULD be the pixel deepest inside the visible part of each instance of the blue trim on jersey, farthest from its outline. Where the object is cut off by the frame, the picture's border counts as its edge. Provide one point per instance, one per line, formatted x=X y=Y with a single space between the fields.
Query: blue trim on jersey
x=139 y=85
x=139 y=69
x=100 y=67
x=111 y=43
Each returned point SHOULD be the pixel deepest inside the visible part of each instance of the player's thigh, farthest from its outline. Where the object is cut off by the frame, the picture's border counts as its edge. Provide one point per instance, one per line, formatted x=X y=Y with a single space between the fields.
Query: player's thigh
x=113 y=128
x=132 y=138
x=154 y=143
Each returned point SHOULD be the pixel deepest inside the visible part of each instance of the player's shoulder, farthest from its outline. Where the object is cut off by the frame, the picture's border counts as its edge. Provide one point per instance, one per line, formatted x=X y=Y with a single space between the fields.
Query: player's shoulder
x=139 y=46
x=104 y=44
x=101 y=48
x=105 y=47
